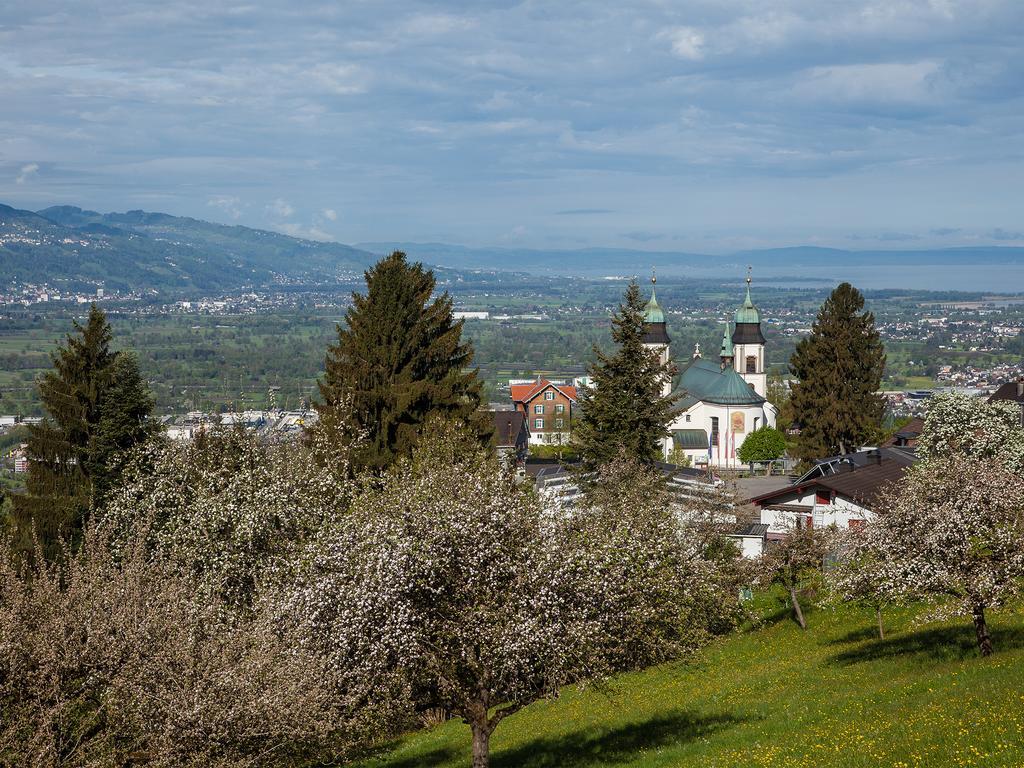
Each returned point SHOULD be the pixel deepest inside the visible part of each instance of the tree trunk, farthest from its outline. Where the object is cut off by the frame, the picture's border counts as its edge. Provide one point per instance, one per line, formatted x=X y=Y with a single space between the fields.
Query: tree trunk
x=881 y=627
x=981 y=630
x=481 y=745
x=797 y=613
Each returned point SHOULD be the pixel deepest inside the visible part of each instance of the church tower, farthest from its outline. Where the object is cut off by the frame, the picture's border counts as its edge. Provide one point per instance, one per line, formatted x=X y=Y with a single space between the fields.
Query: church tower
x=726 y=354
x=656 y=335
x=748 y=345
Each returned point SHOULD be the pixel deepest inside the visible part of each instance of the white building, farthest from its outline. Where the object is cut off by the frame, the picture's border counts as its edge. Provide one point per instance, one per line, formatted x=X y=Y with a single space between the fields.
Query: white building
x=721 y=401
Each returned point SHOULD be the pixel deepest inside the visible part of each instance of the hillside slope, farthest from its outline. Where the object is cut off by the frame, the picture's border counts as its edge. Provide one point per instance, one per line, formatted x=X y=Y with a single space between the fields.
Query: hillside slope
x=70 y=247
x=777 y=696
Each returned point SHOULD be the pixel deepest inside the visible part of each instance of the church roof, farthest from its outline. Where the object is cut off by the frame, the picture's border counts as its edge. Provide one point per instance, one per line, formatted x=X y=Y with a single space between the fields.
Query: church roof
x=708 y=382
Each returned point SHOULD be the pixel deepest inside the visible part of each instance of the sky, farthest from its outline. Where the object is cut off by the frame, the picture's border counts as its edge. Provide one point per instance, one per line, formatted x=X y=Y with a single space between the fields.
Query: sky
x=707 y=126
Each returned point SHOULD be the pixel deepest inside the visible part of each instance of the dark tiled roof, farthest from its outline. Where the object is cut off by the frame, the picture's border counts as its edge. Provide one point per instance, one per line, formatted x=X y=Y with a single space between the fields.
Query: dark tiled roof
x=865 y=483
x=1011 y=390
x=507 y=427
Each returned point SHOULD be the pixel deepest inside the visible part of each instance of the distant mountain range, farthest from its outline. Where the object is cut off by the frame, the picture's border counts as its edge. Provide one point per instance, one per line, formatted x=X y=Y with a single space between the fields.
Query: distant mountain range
x=69 y=247
x=602 y=261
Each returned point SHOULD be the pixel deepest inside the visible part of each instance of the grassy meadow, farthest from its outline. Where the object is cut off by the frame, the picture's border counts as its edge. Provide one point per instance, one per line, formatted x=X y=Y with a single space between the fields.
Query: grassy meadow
x=778 y=696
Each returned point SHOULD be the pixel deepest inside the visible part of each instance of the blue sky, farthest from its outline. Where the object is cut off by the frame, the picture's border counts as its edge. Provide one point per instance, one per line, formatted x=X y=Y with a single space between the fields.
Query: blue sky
x=707 y=126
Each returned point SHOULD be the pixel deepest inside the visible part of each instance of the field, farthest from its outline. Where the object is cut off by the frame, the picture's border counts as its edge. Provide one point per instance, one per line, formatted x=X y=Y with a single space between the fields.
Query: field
x=778 y=696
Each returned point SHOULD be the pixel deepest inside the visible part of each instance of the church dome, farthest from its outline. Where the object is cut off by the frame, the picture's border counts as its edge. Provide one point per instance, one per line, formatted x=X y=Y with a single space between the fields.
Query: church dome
x=652 y=312
x=748 y=313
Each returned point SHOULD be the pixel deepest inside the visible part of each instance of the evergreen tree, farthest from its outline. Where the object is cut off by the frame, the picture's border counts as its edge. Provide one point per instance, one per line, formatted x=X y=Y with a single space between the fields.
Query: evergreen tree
x=839 y=368
x=623 y=411
x=97 y=404
x=400 y=362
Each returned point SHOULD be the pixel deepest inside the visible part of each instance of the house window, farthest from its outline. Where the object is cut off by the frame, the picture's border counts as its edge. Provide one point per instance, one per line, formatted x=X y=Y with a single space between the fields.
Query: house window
x=538 y=423
x=538 y=409
x=822 y=497
x=559 y=409
x=751 y=364
x=714 y=430
x=687 y=418
x=549 y=395
x=558 y=423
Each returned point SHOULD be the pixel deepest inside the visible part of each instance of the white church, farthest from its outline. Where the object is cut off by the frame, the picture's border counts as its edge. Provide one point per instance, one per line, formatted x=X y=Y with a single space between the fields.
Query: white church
x=721 y=401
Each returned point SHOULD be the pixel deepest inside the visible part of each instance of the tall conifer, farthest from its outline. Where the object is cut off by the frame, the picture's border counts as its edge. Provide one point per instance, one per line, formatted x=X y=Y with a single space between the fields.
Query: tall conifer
x=623 y=410
x=399 y=363
x=838 y=367
x=97 y=405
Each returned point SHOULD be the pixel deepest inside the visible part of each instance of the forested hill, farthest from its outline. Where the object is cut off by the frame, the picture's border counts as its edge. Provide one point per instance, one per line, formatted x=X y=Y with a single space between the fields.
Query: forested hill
x=72 y=248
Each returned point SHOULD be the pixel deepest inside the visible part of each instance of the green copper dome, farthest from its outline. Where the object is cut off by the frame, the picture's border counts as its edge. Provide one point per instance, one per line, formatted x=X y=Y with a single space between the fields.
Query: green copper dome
x=652 y=312
x=748 y=312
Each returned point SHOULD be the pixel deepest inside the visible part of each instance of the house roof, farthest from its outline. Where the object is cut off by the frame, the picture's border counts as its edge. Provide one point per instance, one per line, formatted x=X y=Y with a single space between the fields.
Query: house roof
x=751 y=530
x=833 y=465
x=860 y=484
x=1011 y=390
x=508 y=425
x=709 y=382
x=524 y=393
x=909 y=431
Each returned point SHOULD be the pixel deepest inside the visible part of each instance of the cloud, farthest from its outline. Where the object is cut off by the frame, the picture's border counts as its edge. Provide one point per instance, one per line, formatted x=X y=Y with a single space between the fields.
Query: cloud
x=282 y=208
x=1004 y=234
x=311 y=232
x=643 y=237
x=26 y=172
x=330 y=214
x=230 y=204
x=687 y=42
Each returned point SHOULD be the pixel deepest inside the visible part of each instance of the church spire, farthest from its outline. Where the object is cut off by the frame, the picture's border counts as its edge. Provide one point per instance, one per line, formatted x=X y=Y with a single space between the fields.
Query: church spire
x=726 y=352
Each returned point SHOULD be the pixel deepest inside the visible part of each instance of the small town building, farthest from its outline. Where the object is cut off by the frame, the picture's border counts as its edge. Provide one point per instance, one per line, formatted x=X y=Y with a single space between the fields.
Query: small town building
x=548 y=408
x=511 y=435
x=833 y=493
x=1011 y=391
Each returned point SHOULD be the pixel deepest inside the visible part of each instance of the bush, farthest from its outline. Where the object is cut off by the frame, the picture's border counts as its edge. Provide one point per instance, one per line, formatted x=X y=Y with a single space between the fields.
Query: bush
x=764 y=444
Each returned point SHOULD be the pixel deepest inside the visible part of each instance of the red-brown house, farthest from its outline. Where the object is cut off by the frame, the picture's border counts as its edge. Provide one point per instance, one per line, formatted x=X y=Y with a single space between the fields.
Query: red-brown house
x=548 y=407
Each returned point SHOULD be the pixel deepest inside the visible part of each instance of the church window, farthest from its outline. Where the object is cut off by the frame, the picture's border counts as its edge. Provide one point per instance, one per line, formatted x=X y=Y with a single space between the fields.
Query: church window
x=714 y=430
x=751 y=364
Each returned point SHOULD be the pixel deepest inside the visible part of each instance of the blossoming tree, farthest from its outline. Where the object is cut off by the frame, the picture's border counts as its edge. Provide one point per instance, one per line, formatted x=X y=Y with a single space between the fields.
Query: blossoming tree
x=953 y=535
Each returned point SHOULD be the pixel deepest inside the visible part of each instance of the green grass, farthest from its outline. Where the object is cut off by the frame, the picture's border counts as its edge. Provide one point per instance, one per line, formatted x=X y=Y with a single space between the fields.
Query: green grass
x=831 y=696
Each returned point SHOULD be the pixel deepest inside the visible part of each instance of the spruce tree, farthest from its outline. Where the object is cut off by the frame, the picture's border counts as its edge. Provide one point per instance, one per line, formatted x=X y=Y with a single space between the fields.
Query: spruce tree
x=623 y=411
x=97 y=405
x=400 y=363
x=838 y=368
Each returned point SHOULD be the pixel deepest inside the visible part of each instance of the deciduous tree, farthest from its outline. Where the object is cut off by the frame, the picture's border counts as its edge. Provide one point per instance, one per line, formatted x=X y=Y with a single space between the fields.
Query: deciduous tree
x=952 y=533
